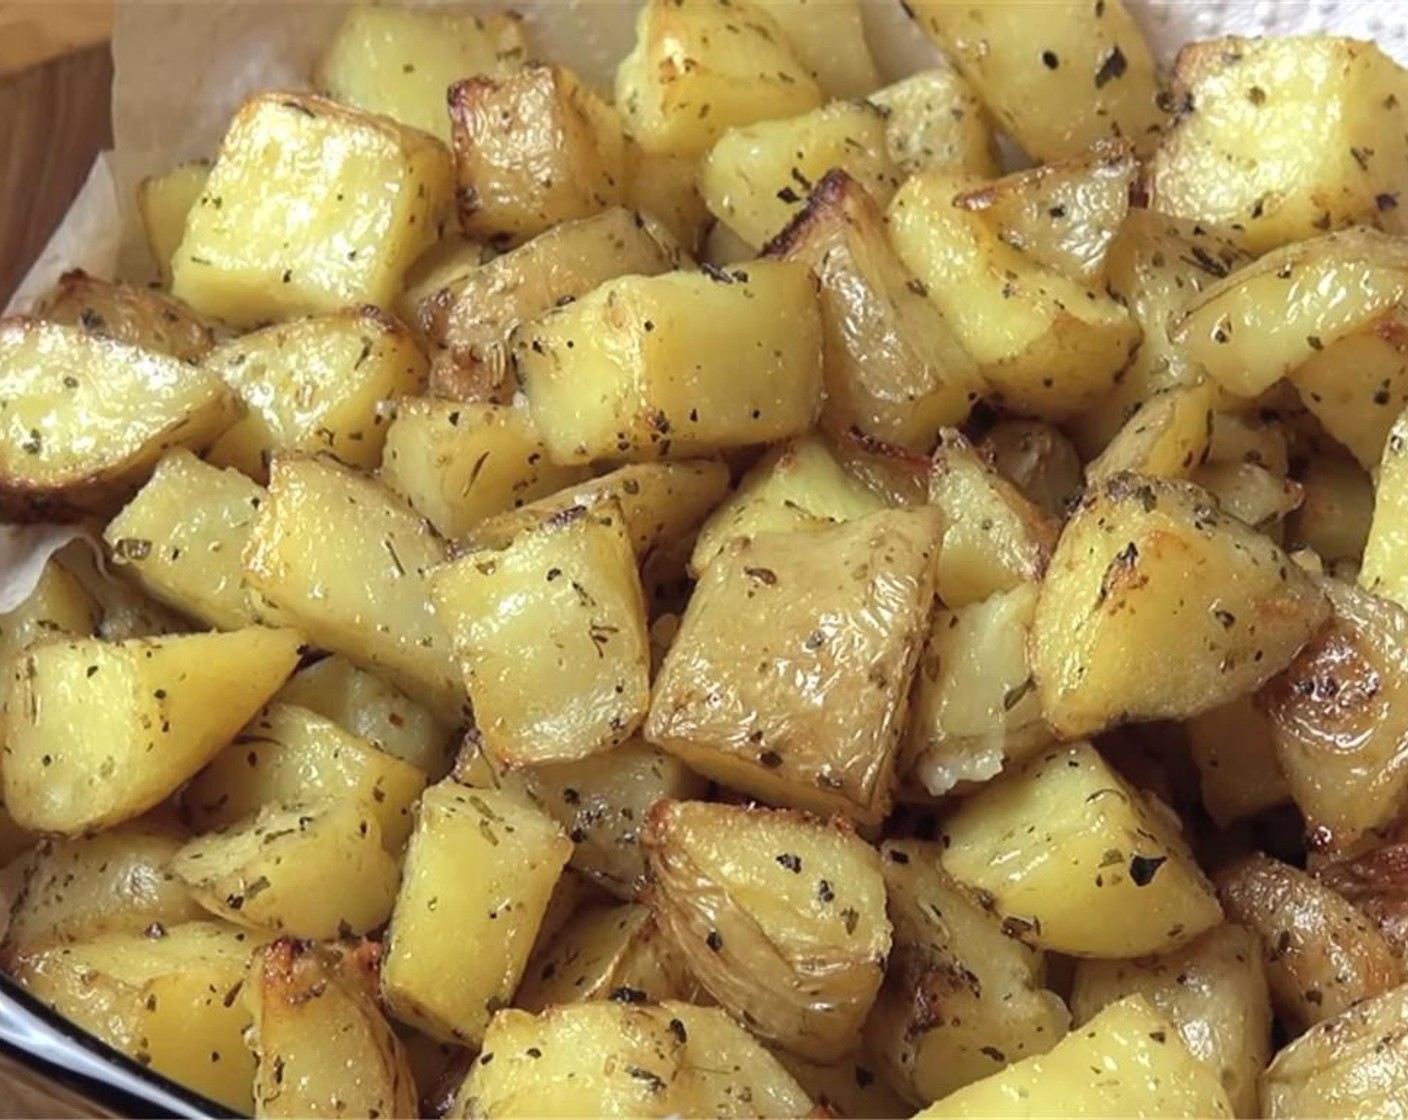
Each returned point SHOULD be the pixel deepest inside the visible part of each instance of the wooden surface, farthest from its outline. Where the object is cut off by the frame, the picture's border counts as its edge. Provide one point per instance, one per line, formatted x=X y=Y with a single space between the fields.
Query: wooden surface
x=34 y=31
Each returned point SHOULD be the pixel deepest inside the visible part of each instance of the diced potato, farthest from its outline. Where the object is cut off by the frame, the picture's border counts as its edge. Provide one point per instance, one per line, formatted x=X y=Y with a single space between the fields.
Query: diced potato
x=901 y=478
x=459 y=938
x=1322 y=956
x=311 y=206
x=1141 y=1066
x=347 y=560
x=1268 y=319
x=1336 y=510
x=1251 y=494
x=138 y=316
x=550 y=635
x=828 y=39
x=1168 y=435
x=1244 y=437
x=321 y=1045
x=1234 y=749
x=1149 y=566
x=288 y=754
x=1385 y=570
x=86 y=418
x=974 y=708
x=666 y=188
x=961 y=999
x=445 y=267
x=1057 y=77
x=471 y=321
x=1077 y=861
x=894 y=368
x=1373 y=883
x=843 y=608
x=1036 y=458
x=755 y=178
x=183 y=537
x=458 y=464
x=533 y=148
x=317 y=870
x=1352 y=1065
x=848 y=1088
x=639 y=369
x=1213 y=990
x=1049 y=346
x=935 y=119
x=163 y=203
x=400 y=61
x=780 y=917
x=378 y=712
x=124 y=611
x=59 y=605
x=700 y=67
x=1306 y=134
x=98 y=732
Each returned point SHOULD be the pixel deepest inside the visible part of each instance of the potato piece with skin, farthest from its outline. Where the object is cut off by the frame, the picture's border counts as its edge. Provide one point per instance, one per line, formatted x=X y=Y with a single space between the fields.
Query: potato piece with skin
x=348 y=560
x=459 y=464
x=1167 y=436
x=1309 y=132
x=664 y=381
x=1213 y=990
x=470 y=321
x=700 y=67
x=1375 y=883
x=1234 y=749
x=1036 y=458
x=993 y=538
x=458 y=943
x=935 y=119
x=1077 y=861
x=1057 y=78
x=1337 y=719
x=828 y=39
x=400 y=61
x=98 y=732
x=138 y=316
x=445 y=267
x=756 y=178
x=1251 y=494
x=183 y=538
x=893 y=367
x=1385 y=571
x=962 y=999
x=533 y=147
x=163 y=203
x=87 y=418
x=781 y=918
x=1336 y=510
x=843 y=608
x=310 y=207
x=1148 y=563
x=1144 y=1070
x=1322 y=956
x=1048 y=346
x=321 y=1044
x=550 y=635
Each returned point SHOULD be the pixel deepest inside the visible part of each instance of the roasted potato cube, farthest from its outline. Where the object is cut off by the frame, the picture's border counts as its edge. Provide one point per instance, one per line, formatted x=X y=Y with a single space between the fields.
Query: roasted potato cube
x=378 y=712
x=780 y=917
x=935 y=119
x=1251 y=494
x=1168 y=435
x=790 y=676
x=1057 y=77
x=638 y=369
x=550 y=635
x=311 y=206
x=471 y=321
x=1244 y=437
x=533 y=148
x=849 y=1087
x=1076 y=859
x=1144 y=1070
x=755 y=178
x=458 y=464
x=86 y=418
x=1036 y=458
x=347 y=559
x=1336 y=510
x=1048 y=346
x=1385 y=569
x=1307 y=133
x=58 y=605
x=1234 y=749
x=446 y=266
x=1150 y=564
x=1373 y=883
x=98 y=732
x=458 y=942
x=1213 y=990
x=828 y=39
x=163 y=203
x=1322 y=956
x=974 y=708
x=700 y=67
x=893 y=367
x=321 y=1044
x=183 y=536
x=666 y=188
x=400 y=61
x=138 y=316
x=961 y=999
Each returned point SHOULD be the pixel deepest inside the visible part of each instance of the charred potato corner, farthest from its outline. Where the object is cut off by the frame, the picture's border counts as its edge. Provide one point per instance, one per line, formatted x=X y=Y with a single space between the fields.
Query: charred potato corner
x=709 y=595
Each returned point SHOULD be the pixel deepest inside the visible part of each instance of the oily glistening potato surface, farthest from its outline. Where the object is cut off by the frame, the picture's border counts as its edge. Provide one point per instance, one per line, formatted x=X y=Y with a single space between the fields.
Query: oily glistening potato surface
x=769 y=586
